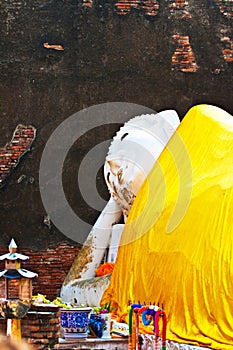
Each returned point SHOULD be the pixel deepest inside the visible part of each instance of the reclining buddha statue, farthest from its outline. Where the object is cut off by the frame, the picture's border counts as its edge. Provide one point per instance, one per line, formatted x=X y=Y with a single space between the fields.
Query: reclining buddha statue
x=132 y=153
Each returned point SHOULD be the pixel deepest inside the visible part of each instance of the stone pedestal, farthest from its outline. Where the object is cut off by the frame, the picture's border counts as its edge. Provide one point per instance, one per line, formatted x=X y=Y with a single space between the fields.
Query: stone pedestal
x=95 y=343
x=40 y=327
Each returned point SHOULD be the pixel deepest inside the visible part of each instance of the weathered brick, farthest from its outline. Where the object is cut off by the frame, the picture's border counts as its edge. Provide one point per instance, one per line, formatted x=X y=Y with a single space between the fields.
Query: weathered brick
x=31 y=328
x=32 y=314
x=39 y=335
x=38 y=341
x=54 y=321
x=49 y=328
x=25 y=334
x=50 y=335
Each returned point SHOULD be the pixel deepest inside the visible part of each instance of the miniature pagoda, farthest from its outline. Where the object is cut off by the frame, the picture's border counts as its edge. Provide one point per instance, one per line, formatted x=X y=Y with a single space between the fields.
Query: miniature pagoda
x=16 y=292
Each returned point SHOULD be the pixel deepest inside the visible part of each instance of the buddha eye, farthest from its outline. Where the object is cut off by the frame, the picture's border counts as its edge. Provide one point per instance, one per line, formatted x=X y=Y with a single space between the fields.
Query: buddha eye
x=123 y=136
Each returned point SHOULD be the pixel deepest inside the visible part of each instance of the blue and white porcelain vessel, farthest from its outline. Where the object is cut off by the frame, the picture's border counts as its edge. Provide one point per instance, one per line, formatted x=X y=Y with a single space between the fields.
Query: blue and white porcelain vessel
x=75 y=321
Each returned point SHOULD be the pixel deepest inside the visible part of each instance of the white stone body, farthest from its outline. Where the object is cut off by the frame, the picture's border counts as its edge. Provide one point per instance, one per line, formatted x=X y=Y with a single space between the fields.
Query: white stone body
x=132 y=153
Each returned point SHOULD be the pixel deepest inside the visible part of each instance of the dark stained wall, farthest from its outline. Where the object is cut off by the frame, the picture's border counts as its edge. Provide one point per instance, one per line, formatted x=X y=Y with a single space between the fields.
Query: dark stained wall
x=106 y=58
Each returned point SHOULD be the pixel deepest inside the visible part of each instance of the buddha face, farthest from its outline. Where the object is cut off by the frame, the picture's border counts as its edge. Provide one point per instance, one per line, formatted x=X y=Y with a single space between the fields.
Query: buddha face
x=132 y=154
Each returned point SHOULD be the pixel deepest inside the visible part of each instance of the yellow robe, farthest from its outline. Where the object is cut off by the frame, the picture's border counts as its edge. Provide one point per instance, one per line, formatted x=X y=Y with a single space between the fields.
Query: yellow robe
x=177 y=246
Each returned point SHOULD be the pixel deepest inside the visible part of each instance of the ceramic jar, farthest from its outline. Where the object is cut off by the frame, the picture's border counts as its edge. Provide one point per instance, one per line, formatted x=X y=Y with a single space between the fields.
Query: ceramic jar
x=75 y=321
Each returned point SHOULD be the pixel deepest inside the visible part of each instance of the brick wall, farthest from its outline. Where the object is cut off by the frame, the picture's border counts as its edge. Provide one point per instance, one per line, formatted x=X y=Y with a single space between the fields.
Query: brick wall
x=51 y=264
x=40 y=327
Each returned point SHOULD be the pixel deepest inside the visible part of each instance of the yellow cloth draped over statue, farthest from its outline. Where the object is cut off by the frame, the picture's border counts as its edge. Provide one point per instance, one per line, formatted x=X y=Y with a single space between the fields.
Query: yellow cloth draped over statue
x=177 y=246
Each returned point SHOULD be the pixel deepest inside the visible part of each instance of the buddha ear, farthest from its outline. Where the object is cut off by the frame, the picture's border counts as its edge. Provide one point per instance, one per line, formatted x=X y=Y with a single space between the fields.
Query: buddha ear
x=114 y=167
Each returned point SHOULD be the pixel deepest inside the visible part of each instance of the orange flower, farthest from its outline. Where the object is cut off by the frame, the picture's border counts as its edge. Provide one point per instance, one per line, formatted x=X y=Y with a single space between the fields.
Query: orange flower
x=104 y=269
